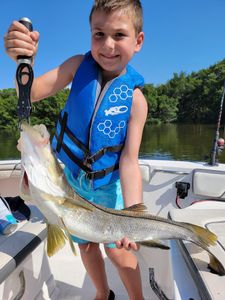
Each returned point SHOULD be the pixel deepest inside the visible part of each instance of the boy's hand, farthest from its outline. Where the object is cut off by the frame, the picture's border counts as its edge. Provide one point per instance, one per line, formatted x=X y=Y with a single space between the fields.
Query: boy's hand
x=18 y=40
x=127 y=244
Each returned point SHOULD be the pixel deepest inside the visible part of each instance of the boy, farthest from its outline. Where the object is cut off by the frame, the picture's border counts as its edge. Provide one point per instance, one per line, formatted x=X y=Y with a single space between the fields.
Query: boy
x=99 y=131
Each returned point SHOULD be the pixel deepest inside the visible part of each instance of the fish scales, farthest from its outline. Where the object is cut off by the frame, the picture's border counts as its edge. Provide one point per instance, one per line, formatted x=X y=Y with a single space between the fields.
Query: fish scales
x=44 y=182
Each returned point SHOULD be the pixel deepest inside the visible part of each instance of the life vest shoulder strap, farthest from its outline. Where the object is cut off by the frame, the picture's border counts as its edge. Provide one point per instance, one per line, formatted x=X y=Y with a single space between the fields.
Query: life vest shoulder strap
x=89 y=159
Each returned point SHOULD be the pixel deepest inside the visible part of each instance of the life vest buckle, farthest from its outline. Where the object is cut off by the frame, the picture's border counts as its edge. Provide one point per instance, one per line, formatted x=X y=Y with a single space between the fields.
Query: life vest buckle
x=96 y=174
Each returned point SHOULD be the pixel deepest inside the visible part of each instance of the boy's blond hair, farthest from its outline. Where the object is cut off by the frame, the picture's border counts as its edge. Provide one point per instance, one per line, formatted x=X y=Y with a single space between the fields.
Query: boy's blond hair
x=130 y=7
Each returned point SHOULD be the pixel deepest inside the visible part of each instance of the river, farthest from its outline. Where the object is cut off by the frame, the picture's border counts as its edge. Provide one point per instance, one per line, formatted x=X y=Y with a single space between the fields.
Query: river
x=167 y=141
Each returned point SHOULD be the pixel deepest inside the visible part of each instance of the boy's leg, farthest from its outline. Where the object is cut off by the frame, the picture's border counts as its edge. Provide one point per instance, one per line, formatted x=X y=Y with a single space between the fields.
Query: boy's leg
x=94 y=264
x=127 y=266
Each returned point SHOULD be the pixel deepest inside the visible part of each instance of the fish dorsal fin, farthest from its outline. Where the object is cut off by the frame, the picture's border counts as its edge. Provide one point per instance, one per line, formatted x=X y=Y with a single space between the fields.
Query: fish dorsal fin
x=139 y=207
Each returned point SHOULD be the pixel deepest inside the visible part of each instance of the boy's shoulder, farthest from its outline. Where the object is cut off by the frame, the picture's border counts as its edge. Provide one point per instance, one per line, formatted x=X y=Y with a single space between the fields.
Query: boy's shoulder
x=71 y=65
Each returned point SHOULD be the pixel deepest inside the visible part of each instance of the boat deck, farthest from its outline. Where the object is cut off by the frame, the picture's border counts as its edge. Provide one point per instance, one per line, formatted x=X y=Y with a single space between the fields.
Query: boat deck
x=74 y=283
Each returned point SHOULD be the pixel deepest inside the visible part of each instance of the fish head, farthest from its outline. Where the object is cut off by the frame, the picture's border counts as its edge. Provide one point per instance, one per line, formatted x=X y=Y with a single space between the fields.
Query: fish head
x=39 y=166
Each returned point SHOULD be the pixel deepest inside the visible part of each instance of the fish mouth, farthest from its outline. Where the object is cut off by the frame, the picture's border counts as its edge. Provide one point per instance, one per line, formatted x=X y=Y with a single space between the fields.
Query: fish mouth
x=25 y=181
x=25 y=178
x=24 y=187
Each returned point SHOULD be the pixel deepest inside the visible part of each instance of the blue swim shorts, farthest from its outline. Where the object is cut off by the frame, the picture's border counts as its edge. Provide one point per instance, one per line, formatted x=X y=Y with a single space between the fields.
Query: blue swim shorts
x=109 y=195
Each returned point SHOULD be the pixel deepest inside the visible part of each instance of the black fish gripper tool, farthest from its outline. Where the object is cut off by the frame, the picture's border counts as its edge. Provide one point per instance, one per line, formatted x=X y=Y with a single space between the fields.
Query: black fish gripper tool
x=24 y=78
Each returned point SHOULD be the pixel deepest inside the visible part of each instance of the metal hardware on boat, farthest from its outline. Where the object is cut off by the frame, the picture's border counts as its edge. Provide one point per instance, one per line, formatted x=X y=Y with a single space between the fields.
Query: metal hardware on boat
x=182 y=189
x=22 y=288
x=24 y=78
x=155 y=287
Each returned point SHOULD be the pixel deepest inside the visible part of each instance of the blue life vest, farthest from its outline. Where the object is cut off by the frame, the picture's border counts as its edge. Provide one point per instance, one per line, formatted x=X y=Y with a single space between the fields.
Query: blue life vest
x=92 y=127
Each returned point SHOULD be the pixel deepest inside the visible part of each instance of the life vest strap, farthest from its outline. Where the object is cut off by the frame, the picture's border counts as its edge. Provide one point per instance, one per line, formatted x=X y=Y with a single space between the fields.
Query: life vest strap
x=74 y=158
x=63 y=122
x=97 y=155
x=86 y=164
x=65 y=129
x=102 y=173
x=92 y=175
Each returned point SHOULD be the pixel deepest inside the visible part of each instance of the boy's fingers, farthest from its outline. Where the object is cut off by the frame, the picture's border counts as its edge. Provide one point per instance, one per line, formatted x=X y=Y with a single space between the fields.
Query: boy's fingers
x=127 y=244
x=17 y=26
x=119 y=244
x=14 y=52
x=35 y=36
x=17 y=36
x=134 y=246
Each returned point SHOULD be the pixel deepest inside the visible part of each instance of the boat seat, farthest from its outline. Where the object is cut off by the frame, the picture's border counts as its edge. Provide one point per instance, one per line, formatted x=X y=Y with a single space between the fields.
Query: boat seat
x=145 y=172
x=16 y=247
x=209 y=183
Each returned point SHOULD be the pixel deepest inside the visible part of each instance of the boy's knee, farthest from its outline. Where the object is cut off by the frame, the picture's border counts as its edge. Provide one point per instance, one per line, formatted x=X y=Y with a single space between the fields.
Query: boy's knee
x=114 y=254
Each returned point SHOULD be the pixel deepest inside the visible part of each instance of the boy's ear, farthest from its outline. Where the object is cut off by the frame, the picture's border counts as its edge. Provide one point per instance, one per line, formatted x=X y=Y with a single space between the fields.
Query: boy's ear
x=139 y=41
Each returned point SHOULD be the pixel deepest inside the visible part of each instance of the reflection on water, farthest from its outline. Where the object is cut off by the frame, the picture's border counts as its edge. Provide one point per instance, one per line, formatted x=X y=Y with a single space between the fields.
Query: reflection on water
x=179 y=141
x=8 y=142
x=167 y=141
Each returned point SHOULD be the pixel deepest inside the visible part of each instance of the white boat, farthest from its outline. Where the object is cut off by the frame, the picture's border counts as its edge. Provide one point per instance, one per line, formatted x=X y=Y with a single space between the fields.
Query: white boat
x=180 y=273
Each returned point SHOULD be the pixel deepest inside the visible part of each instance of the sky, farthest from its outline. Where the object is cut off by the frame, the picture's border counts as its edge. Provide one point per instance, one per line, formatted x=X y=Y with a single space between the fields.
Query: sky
x=180 y=35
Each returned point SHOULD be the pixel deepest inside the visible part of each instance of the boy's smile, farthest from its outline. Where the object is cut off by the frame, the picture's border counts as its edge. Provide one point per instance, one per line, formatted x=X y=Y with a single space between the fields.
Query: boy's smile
x=114 y=41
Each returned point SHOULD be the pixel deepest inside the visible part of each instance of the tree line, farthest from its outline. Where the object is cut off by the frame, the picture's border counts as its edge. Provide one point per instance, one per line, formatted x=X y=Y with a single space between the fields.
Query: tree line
x=189 y=98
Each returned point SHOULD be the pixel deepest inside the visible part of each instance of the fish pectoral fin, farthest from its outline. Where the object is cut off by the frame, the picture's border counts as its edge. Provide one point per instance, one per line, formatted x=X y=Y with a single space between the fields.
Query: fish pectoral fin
x=55 y=239
x=69 y=238
x=154 y=244
x=215 y=266
x=140 y=207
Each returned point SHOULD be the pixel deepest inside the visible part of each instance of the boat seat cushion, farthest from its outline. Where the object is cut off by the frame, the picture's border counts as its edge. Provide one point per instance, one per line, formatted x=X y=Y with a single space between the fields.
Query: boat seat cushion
x=209 y=183
x=145 y=172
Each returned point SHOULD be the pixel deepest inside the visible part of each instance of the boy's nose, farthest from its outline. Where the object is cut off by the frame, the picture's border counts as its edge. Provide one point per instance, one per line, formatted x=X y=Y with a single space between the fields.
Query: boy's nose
x=109 y=43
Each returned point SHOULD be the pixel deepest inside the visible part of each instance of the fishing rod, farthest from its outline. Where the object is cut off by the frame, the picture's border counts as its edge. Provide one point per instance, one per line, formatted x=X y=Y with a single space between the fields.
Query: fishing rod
x=216 y=143
x=24 y=78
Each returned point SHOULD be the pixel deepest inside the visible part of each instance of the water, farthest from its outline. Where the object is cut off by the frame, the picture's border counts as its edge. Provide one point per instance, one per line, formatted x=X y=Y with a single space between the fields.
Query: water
x=167 y=141
x=192 y=142
x=8 y=142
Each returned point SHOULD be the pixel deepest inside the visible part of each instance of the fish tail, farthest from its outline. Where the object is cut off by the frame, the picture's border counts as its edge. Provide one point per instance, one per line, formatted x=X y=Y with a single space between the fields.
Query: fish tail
x=203 y=235
x=205 y=238
x=215 y=265
x=56 y=239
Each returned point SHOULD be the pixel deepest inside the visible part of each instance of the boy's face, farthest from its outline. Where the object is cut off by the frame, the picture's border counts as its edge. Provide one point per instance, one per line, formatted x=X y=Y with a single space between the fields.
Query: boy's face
x=114 y=41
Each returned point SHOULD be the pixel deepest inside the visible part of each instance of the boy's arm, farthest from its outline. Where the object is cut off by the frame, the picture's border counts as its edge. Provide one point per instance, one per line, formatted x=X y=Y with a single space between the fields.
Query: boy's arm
x=53 y=81
x=130 y=174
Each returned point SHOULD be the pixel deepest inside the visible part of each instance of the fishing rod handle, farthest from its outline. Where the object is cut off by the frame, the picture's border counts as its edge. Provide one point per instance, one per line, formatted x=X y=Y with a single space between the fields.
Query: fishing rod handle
x=23 y=58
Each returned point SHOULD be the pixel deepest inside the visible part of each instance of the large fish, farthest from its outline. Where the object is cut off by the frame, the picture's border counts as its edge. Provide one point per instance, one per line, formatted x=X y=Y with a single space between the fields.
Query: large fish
x=43 y=181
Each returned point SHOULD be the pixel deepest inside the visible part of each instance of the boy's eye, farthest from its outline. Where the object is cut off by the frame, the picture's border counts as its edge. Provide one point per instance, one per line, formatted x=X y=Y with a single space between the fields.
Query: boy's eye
x=98 y=34
x=119 y=35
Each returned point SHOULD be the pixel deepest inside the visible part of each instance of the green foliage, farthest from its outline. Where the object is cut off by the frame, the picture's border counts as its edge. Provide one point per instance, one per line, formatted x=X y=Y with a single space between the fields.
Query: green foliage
x=162 y=107
x=193 y=98
x=45 y=111
x=8 y=107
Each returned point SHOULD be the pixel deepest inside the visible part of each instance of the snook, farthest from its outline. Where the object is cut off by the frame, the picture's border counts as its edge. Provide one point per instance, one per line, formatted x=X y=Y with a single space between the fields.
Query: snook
x=44 y=183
